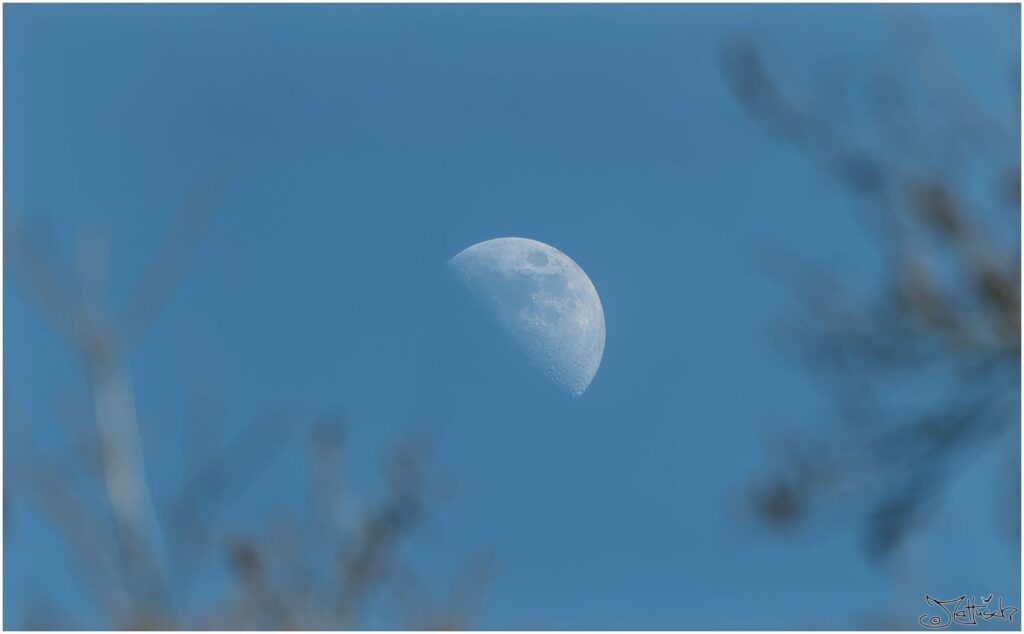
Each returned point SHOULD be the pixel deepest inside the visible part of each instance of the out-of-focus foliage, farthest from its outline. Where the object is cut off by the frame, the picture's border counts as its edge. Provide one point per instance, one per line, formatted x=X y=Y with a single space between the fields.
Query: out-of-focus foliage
x=925 y=368
x=136 y=562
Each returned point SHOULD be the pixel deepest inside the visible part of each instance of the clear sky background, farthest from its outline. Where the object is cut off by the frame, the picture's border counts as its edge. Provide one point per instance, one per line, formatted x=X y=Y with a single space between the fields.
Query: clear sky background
x=369 y=144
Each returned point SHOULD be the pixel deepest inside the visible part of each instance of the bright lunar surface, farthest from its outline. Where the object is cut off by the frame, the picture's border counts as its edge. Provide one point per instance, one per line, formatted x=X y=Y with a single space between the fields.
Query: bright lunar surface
x=543 y=300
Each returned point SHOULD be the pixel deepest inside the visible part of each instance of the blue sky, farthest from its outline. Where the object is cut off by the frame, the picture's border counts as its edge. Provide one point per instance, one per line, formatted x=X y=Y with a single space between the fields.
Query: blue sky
x=369 y=144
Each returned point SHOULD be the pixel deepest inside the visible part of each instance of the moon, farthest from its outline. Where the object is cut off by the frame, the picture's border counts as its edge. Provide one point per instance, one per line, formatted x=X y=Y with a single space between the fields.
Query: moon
x=543 y=300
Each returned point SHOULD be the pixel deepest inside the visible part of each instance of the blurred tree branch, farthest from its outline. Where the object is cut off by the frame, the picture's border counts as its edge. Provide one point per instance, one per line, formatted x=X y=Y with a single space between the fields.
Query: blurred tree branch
x=138 y=567
x=949 y=301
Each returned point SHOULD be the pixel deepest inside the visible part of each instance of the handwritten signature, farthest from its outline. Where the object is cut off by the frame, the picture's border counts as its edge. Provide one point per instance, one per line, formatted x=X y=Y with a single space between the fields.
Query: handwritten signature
x=956 y=611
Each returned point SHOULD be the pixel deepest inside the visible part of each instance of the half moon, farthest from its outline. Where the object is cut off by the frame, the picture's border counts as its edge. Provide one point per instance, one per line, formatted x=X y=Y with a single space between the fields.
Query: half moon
x=544 y=301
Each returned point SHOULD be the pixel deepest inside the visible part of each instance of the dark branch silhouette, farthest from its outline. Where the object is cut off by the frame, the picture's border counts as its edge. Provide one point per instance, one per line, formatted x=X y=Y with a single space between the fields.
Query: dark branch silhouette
x=948 y=302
